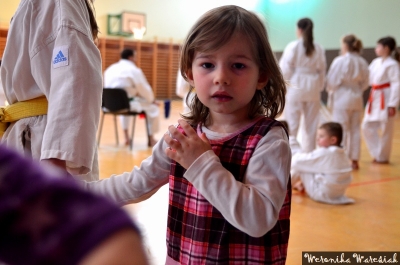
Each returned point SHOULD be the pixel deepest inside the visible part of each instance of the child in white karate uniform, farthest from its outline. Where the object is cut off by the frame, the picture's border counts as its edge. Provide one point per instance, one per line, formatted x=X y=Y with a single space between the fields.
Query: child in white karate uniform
x=303 y=64
x=347 y=79
x=378 y=122
x=325 y=173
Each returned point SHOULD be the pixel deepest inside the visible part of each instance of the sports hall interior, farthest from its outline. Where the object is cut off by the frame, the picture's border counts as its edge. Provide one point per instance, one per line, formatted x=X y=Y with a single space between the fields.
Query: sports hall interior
x=370 y=224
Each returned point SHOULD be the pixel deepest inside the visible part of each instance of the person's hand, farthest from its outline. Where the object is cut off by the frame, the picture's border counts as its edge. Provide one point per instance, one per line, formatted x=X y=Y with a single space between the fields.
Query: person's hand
x=391 y=111
x=185 y=147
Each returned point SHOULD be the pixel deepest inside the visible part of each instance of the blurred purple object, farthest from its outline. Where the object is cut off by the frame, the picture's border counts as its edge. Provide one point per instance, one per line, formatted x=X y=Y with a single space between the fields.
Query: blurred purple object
x=167 y=108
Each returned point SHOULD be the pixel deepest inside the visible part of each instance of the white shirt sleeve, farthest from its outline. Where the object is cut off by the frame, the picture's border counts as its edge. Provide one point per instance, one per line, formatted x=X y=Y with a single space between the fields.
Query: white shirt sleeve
x=138 y=184
x=286 y=62
x=335 y=75
x=322 y=68
x=394 y=77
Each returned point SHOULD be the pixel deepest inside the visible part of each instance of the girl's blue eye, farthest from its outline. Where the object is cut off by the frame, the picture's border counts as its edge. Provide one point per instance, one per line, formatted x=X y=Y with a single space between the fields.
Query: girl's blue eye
x=238 y=65
x=207 y=65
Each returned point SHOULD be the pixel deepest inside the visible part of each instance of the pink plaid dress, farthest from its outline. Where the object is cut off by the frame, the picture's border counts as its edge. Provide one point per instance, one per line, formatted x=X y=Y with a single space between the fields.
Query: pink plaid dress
x=198 y=233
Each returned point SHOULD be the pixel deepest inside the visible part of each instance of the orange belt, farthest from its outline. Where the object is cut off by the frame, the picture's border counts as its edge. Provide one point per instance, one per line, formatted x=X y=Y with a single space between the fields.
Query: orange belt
x=377 y=87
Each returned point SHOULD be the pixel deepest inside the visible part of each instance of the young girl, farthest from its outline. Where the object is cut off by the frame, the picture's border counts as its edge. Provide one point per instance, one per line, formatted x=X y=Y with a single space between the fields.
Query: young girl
x=228 y=162
x=303 y=64
x=378 y=122
x=346 y=81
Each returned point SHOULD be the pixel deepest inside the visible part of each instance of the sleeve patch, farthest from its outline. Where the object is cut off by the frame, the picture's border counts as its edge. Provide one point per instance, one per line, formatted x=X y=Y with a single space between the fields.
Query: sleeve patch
x=60 y=56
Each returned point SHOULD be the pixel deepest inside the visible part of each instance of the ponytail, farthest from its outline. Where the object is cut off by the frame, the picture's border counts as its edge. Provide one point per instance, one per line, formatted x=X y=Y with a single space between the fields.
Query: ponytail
x=353 y=43
x=390 y=42
x=93 y=24
x=306 y=25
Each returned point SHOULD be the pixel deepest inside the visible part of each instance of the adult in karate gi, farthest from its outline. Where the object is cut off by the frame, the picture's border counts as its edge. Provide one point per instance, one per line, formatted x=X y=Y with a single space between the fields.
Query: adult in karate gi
x=51 y=72
x=378 y=122
x=347 y=79
x=125 y=74
x=303 y=64
x=325 y=173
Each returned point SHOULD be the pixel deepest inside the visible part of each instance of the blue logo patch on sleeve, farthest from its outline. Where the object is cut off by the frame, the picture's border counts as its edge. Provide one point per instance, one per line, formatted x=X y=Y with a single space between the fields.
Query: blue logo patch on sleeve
x=60 y=56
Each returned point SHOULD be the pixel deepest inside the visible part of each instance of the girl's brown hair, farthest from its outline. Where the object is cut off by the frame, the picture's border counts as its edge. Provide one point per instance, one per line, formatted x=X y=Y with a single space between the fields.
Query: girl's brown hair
x=93 y=24
x=353 y=44
x=306 y=25
x=390 y=42
x=210 y=33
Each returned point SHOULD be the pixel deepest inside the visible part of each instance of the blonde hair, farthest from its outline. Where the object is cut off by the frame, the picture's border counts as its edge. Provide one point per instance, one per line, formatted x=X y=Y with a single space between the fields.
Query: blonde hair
x=210 y=33
x=353 y=44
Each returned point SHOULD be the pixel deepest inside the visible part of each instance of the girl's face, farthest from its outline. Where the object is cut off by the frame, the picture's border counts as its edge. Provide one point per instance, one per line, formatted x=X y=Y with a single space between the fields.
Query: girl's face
x=227 y=79
x=382 y=51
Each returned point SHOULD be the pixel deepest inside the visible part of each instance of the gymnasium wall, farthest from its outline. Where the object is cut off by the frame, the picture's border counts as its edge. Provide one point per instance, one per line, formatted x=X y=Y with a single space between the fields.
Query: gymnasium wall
x=369 y=19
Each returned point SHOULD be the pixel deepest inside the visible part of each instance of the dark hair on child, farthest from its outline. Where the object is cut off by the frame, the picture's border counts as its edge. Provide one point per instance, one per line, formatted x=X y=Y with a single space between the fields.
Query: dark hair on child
x=210 y=33
x=333 y=129
x=353 y=44
x=93 y=24
x=390 y=42
x=306 y=25
x=126 y=53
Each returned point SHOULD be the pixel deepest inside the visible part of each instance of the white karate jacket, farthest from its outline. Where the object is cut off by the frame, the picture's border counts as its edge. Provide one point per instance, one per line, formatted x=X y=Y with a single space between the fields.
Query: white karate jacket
x=306 y=75
x=50 y=51
x=347 y=79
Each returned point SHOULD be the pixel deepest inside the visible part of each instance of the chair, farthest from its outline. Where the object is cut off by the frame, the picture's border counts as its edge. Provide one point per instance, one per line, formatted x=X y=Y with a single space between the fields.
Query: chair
x=116 y=102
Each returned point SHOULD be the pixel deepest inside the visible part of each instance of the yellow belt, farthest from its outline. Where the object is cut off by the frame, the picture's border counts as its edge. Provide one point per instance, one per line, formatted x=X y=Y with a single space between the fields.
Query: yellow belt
x=20 y=110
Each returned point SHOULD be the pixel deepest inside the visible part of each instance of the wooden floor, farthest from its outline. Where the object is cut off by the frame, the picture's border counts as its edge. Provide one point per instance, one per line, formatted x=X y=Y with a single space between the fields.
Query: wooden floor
x=371 y=224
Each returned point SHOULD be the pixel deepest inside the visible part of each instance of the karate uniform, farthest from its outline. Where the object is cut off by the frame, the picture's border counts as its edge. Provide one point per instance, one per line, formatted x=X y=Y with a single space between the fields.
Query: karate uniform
x=325 y=174
x=306 y=77
x=3 y=98
x=347 y=80
x=125 y=74
x=50 y=51
x=376 y=118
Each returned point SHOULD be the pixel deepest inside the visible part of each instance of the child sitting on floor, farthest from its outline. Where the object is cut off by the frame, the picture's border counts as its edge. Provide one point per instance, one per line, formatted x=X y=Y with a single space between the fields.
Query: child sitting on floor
x=324 y=173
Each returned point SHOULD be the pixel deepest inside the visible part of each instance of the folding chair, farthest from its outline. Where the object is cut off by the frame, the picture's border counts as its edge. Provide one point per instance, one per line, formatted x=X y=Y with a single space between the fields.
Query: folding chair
x=116 y=102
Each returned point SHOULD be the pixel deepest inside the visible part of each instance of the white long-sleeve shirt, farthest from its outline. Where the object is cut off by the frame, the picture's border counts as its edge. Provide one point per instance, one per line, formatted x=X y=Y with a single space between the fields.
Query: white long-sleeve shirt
x=347 y=79
x=125 y=74
x=381 y=72
x=50 y=51
x=305 y=74
x=251 y=206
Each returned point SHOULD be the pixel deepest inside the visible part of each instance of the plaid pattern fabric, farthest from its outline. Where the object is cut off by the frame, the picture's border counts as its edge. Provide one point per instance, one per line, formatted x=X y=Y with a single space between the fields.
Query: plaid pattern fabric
x=199 y=234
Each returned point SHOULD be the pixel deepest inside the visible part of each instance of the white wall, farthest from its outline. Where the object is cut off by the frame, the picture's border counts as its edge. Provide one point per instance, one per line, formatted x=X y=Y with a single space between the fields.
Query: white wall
x=166 y=19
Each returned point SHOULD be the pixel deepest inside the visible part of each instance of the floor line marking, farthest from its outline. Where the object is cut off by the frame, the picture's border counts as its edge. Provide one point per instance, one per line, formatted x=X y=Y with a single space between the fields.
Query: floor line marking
x=373 y=181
